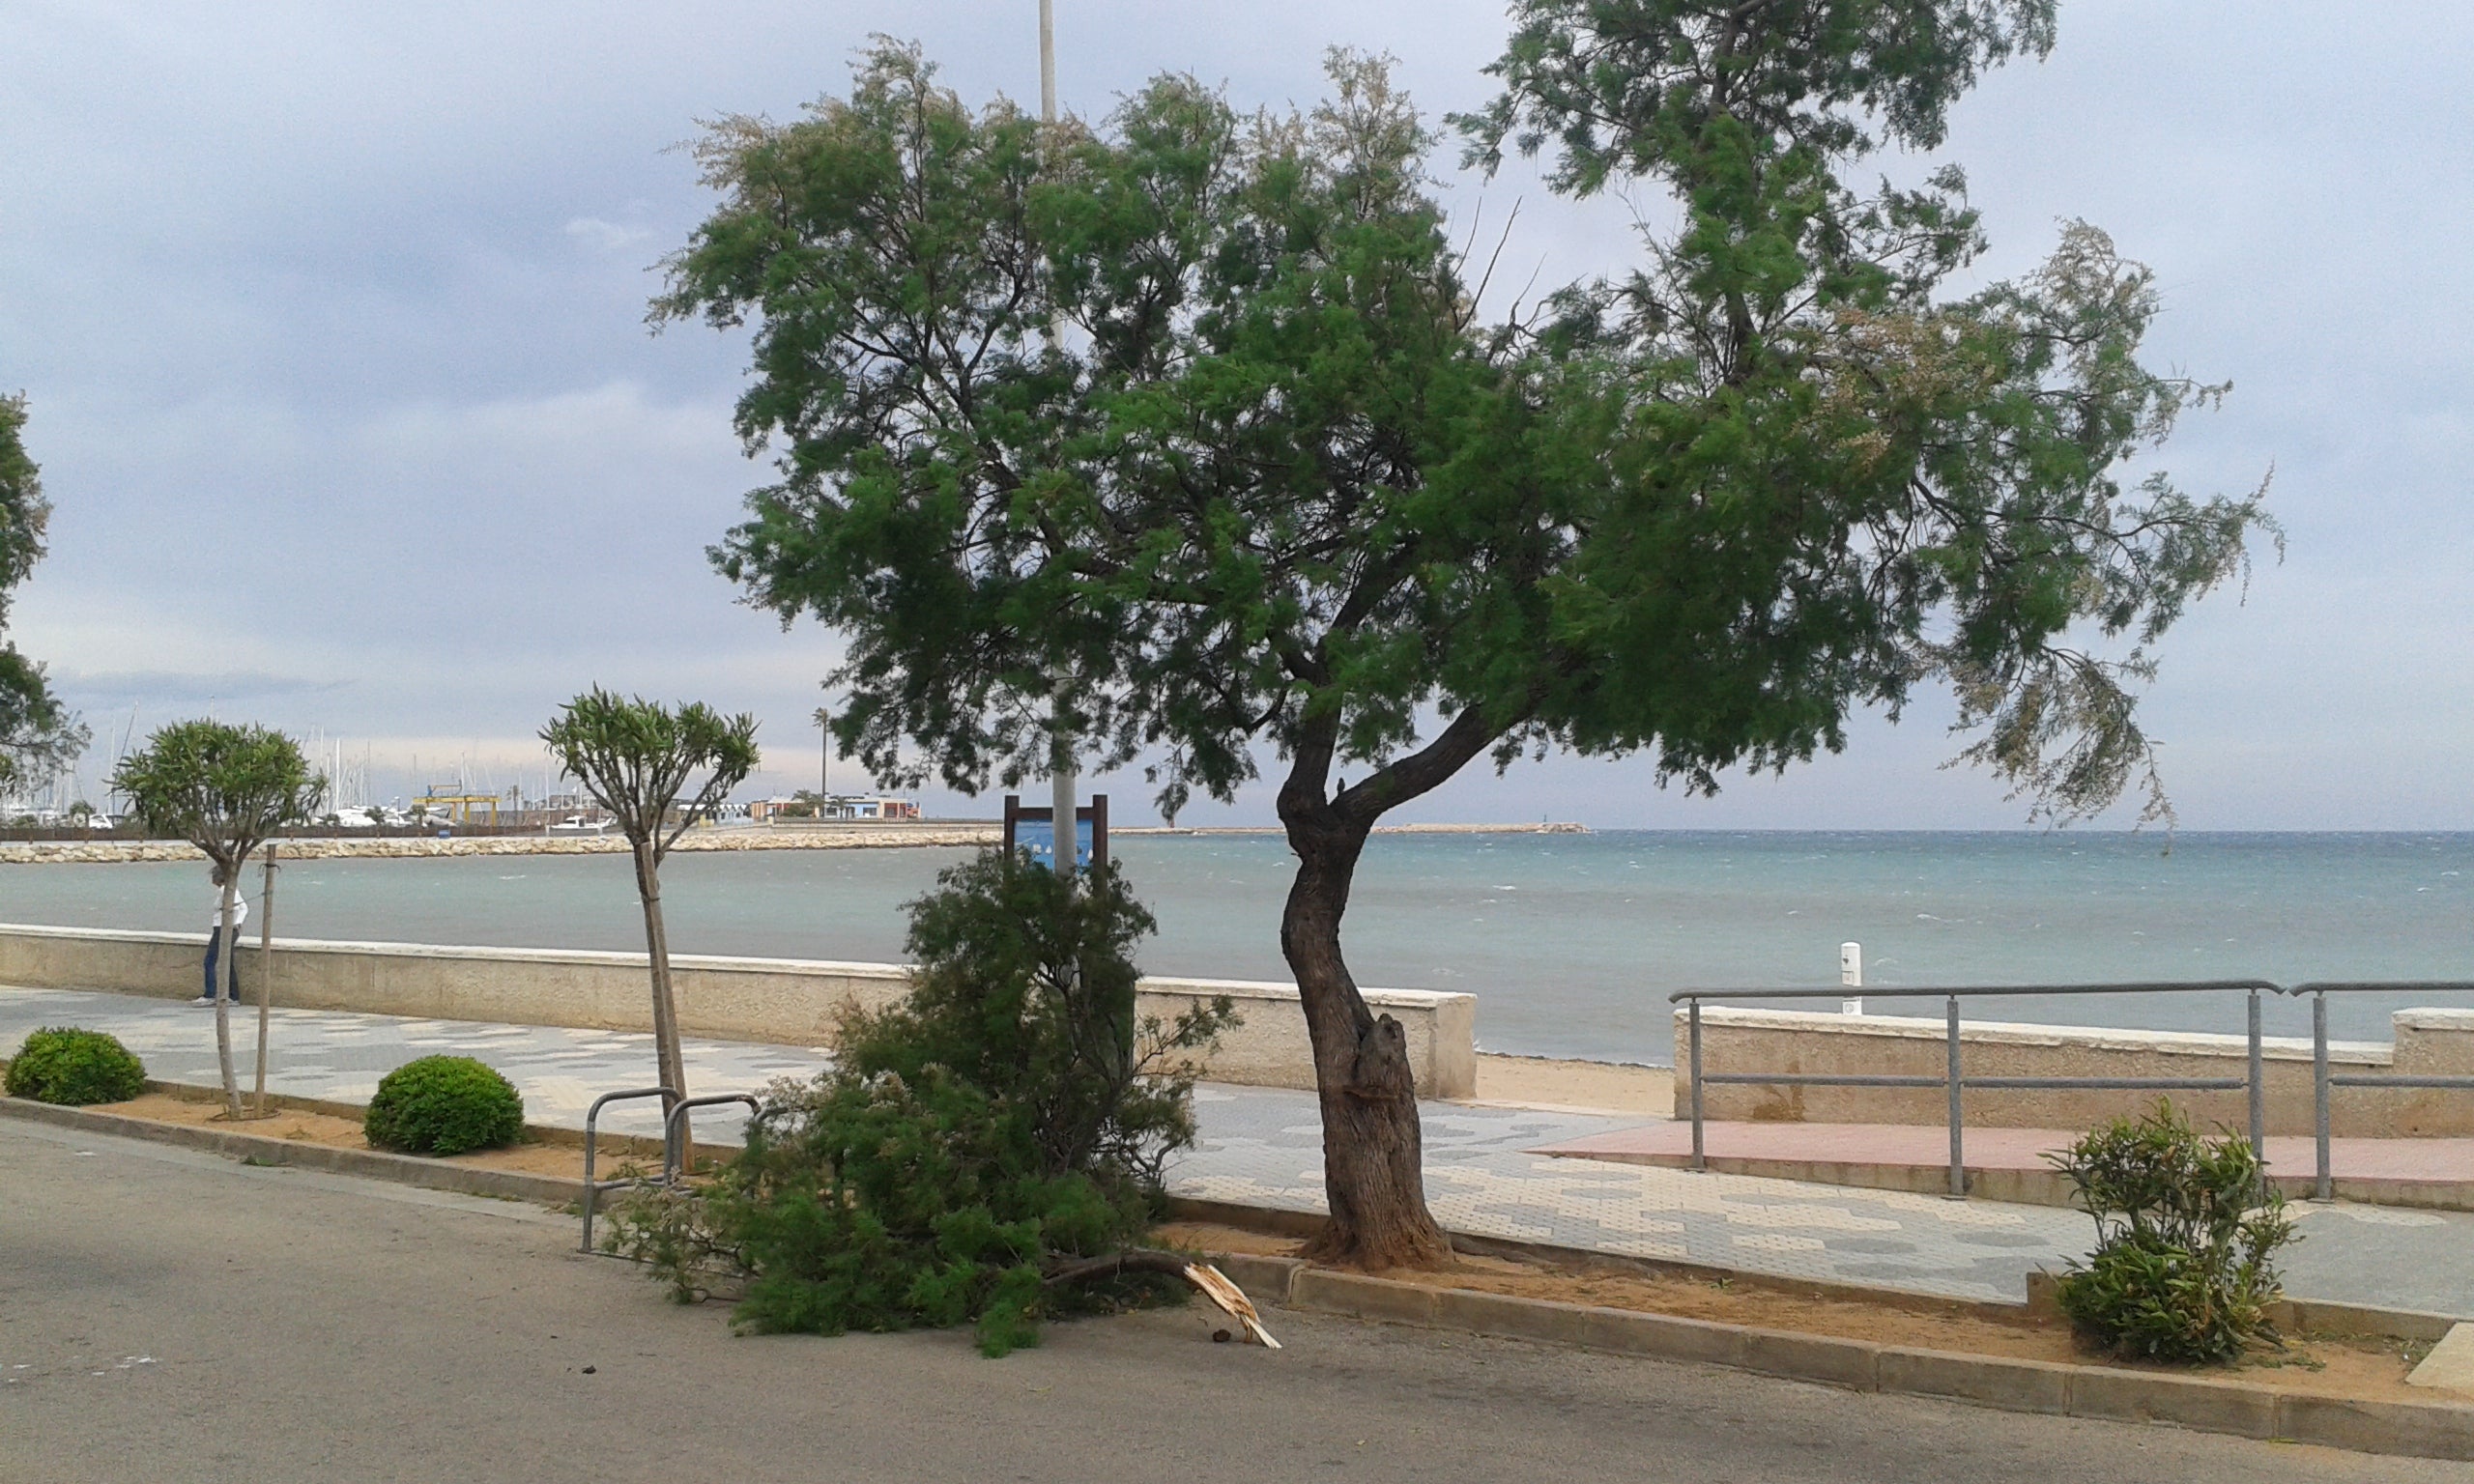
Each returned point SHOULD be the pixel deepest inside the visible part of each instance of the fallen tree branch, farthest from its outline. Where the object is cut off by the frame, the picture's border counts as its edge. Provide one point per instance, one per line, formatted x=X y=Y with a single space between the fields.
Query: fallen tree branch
x=1129 y=1260
x=1214 y=1284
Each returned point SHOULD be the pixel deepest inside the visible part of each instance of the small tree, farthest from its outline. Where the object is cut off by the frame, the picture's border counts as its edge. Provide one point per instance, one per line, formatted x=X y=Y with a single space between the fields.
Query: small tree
x=225 y=789
x=637 y=757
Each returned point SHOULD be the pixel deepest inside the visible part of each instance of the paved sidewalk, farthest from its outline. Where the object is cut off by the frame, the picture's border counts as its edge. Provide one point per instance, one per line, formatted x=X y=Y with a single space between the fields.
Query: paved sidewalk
x=1262 y=1146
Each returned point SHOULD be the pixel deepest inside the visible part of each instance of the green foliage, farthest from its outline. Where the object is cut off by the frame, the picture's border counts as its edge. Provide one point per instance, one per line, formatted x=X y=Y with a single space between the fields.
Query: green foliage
x=37 y=733
x=444 y=1106
x=637 y=757
x=1274 y=480
x=2187 y=1232
x=63 y=1065
x=221 y=788
x=1010 y=1114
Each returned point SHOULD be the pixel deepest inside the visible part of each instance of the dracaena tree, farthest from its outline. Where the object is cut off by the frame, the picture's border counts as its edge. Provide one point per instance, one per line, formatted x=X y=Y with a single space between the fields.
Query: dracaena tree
x=657 y=771
x=1188 y=423
x=38 y=734
x=226 y=789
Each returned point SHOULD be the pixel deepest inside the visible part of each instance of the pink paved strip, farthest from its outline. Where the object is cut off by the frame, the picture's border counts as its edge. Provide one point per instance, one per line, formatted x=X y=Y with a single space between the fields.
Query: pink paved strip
x=1989 y=1148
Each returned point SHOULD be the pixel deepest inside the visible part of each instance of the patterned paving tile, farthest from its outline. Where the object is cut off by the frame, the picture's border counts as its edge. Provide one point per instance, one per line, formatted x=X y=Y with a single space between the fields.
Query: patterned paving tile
x=1263 y=1146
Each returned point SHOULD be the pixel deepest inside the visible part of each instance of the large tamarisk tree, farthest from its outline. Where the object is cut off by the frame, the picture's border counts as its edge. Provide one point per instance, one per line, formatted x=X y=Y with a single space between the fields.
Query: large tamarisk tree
x=1194 y=411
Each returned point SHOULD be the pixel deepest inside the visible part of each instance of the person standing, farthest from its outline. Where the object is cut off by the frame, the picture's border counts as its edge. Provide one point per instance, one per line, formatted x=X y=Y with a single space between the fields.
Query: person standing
x=215 y=943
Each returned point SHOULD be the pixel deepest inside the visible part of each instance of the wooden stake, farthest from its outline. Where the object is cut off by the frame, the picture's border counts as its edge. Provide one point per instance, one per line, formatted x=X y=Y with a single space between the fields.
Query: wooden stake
x=266 y=972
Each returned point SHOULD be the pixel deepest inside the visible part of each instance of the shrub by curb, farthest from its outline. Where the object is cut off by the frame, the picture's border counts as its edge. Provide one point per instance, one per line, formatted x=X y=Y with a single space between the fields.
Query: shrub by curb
x=72 y=1067
x=444 y=1106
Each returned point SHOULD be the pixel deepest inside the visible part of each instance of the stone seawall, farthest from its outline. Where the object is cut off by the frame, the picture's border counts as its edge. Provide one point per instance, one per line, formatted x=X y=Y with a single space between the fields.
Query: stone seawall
x=1739 y=1040
x=780 y=1001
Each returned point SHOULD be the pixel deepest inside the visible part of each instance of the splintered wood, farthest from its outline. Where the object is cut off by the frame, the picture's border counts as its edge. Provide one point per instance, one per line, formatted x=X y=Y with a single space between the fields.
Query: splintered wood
x=1229 y=1296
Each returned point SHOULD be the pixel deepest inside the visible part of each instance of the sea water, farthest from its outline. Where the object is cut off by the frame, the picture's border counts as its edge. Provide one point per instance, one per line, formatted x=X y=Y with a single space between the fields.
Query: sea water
x=1571 y=942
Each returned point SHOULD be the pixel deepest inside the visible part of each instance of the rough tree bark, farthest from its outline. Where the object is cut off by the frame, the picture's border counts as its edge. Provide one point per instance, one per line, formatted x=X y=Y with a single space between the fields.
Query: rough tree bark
x=666 y=1051
x=1373 y=1146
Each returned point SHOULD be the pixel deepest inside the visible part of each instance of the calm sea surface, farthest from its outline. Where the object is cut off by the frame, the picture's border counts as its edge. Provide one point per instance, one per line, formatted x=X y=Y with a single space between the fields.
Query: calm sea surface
x=1571 y=943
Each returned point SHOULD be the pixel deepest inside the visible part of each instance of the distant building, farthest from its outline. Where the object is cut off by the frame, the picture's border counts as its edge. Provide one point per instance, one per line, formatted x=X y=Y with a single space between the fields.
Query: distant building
x=832 y=805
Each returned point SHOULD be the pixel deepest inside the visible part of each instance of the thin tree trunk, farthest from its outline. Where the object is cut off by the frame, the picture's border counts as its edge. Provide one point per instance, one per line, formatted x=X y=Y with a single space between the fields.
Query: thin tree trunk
x=266 y=972
x=1373 y=1170
x=223 y=969
x=666 y=1051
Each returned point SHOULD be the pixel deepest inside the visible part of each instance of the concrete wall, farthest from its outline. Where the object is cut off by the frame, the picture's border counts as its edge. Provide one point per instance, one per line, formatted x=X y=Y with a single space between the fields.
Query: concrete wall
x=1735 y=1039
x=784 y=1001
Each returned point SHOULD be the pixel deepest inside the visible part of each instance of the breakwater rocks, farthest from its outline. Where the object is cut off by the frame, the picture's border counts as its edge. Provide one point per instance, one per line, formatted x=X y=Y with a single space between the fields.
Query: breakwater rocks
x=837 y=837
x=1558 y=827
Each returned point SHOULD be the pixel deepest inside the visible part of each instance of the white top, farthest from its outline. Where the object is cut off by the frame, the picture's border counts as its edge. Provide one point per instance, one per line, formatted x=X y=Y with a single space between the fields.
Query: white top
x=240 y=912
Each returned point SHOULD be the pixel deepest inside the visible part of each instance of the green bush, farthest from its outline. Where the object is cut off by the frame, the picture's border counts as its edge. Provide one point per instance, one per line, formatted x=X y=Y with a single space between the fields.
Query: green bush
x=59 y=1064
x=1009 y=1118
x=444 y=1106
x=2187 y=1231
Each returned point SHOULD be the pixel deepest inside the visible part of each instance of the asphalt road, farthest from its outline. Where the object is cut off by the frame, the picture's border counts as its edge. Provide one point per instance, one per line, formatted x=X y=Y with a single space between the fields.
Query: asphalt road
x=166 y=1315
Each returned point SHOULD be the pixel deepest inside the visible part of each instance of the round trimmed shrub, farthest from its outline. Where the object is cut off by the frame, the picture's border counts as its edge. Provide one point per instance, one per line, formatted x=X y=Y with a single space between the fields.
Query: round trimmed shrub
x=444 y=1106
x=60 y=1063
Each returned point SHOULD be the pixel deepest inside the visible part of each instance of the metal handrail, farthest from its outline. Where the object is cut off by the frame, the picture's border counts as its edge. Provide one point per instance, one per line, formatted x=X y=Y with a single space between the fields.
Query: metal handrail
x=1954 y=1078
x=2322 y=1080
x=670 y=1171
x=592 y=1116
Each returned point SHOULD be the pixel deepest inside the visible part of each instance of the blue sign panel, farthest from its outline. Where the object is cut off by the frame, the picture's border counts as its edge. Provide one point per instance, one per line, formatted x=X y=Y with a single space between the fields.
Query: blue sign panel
x=1035 y=836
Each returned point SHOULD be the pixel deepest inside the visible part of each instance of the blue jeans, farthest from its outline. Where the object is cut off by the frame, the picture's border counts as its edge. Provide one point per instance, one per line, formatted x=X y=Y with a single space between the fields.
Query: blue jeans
x=231 y=973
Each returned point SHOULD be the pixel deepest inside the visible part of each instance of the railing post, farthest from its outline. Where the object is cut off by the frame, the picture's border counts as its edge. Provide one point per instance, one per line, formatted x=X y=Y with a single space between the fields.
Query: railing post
x=1958 y=1150
x=1700 y=1155
x=2326 y=1189
x=2259 y=1088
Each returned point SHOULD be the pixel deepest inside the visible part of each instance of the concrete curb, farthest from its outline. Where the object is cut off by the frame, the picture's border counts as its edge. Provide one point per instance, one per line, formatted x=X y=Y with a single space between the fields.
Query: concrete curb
x=2241 y=1409
x=262 y=1149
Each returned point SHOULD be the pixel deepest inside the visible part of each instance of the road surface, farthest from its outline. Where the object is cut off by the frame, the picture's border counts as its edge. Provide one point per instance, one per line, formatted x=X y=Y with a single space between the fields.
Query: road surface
x=169 y=1316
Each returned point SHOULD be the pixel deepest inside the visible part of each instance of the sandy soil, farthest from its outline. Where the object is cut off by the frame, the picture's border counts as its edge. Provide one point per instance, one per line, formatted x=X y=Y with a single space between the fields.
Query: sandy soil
x=309 y=1127
x=2344 y=1367
x=1545 y=1082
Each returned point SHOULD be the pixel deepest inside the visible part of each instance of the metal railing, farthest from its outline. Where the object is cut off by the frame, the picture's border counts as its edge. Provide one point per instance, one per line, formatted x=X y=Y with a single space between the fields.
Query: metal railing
x=670 y=1147
x=670 y=1170
x=2322 y=1079
x=592 y=1116
x=1953 y=1078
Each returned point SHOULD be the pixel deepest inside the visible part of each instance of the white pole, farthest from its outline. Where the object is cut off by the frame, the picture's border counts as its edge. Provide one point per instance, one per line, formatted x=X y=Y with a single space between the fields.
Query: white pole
x=1047 y=61
x=1063 y=830
x=1851 y=974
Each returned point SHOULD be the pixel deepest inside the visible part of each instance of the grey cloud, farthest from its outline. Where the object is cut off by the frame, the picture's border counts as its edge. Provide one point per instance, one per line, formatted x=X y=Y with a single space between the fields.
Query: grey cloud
x=331 y=317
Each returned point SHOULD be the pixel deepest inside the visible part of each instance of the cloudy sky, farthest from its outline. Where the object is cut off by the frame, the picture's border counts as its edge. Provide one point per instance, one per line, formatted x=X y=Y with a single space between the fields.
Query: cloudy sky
x=331 y=316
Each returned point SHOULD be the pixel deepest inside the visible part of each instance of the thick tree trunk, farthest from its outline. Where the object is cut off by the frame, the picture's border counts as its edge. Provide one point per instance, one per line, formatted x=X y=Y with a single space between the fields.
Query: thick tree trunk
x=666 y=1053
x=1374 y=1171
x=224 y=967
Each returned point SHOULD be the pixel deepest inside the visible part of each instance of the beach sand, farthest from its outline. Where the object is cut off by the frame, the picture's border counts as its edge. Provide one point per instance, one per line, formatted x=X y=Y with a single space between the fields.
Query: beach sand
x=1596 y=1087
